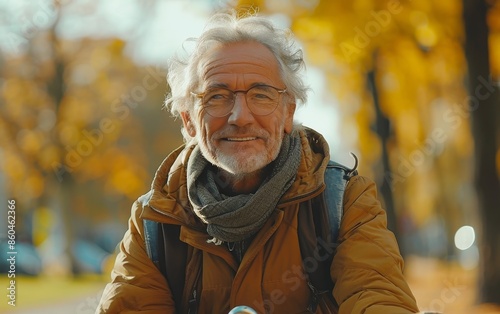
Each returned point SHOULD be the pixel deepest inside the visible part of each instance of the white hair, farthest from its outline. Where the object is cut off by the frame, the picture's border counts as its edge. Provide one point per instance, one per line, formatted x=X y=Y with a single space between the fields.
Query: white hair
x=184 y=74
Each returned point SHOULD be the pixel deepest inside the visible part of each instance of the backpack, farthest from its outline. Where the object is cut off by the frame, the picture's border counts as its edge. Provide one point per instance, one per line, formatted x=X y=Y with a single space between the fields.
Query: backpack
x=318 y=231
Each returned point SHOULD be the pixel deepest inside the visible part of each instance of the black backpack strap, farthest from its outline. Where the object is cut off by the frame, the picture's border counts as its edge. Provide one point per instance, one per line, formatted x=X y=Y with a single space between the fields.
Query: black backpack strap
x=175 y=254
x=168 y=253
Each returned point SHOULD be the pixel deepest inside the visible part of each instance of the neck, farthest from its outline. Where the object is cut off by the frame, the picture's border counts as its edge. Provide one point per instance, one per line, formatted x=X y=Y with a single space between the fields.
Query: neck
x=243 y=183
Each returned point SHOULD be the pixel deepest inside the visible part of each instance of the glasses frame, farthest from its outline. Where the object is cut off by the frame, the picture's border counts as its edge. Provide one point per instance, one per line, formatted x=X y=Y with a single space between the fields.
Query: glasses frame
x=244 y=92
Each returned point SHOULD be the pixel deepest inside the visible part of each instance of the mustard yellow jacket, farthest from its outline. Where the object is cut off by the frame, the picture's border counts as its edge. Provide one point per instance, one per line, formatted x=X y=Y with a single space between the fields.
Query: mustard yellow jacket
x=367 y=268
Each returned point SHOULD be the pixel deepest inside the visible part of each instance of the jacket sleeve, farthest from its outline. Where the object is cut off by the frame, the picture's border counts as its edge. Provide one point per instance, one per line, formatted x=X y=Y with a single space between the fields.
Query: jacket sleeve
x=368 y=268
x=136 y=284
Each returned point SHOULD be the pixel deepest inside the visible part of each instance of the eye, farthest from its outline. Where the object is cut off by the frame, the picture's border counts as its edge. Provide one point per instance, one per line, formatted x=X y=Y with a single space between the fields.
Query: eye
x=262 y=93
x=217 y=95
x=261 y=96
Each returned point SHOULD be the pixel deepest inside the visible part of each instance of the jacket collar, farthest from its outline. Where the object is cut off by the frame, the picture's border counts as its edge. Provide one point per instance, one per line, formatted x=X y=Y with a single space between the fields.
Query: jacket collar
x=169 y=202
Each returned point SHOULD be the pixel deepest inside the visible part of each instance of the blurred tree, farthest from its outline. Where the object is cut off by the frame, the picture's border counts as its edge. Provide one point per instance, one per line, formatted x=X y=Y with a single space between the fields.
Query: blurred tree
x=405 y=124
x=419 y=87
x=484 y=101
x=383 y=129
x=80 y=129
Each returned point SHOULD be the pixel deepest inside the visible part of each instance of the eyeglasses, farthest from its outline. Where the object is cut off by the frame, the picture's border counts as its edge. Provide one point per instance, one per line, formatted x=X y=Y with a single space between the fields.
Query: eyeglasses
x=261 y=100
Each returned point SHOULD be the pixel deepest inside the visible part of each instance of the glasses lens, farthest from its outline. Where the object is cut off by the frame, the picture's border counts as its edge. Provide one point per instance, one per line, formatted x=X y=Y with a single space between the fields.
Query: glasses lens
x=218 y=101
x=262 y=100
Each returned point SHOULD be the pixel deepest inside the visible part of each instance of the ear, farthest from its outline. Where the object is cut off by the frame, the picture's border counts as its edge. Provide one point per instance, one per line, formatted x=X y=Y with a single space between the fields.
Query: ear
x=290 y=111
x=188 y=124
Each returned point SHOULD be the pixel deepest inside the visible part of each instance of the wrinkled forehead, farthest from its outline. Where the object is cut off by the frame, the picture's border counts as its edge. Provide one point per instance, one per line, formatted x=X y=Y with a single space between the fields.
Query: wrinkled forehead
x=241 y=58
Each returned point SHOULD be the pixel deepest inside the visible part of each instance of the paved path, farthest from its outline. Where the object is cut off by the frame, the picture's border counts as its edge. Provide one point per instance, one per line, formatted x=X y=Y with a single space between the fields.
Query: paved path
x=81 y=305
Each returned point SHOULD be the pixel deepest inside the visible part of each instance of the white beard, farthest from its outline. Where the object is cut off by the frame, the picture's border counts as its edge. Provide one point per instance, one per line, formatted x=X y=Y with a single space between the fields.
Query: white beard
x=240 y=164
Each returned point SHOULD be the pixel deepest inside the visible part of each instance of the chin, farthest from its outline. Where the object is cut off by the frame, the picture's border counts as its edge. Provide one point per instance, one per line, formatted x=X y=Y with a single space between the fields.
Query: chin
x=242 y=166
x=239 y=164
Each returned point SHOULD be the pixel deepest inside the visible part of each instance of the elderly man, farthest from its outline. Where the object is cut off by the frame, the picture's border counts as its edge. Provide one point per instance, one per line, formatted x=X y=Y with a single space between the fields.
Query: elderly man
x=235 y=192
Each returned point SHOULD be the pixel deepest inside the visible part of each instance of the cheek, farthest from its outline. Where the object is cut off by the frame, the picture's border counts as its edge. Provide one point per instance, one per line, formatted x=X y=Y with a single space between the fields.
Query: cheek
x=207 y=125
x=276 y=123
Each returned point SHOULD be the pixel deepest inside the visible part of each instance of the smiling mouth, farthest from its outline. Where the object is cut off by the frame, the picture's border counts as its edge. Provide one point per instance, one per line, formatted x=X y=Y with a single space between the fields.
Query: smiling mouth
x=240 y=139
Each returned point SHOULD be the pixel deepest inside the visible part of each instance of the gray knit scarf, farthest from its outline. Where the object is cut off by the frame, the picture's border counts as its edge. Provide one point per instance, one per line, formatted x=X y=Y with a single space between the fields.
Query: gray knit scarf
x=235 y=218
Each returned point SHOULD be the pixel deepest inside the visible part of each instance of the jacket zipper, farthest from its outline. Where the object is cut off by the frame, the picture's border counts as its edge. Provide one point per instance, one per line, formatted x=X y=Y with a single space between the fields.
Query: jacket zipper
x=314 y=298
x=193 y=302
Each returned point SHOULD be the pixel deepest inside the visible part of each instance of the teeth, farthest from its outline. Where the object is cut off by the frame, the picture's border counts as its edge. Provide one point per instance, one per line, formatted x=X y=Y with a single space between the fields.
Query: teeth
x=240 y=139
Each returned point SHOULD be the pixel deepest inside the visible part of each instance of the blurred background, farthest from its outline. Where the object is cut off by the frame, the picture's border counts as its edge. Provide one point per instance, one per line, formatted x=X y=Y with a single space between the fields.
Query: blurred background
x=411 y=87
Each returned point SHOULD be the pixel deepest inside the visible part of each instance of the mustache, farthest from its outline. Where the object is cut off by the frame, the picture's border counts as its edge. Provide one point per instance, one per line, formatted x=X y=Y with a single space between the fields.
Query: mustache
x=233 y=131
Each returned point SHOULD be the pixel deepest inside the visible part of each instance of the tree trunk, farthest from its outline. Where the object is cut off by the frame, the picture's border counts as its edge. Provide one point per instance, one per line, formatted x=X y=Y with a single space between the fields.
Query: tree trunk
x=484 y=106
x=382 y=127
x=62 y=178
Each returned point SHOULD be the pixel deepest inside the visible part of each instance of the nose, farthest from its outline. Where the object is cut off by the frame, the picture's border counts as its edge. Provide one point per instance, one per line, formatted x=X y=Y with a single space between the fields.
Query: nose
x=240 y=114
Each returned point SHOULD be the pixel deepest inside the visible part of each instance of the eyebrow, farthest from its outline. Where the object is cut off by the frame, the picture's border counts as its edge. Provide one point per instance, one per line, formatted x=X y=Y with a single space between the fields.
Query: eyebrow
x=215 y=85
x=224 y=85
